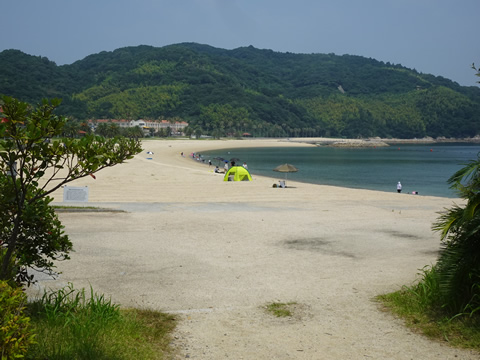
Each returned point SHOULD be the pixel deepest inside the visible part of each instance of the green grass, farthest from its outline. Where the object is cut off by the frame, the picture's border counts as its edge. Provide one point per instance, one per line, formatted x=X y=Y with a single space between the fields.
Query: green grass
x=419 y=307
x=71 y=325
x=64 y=208
x=75 y=207
x=279 y=309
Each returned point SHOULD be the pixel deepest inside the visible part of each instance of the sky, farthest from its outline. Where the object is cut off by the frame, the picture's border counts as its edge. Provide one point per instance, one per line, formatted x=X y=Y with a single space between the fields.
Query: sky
x=438 y=37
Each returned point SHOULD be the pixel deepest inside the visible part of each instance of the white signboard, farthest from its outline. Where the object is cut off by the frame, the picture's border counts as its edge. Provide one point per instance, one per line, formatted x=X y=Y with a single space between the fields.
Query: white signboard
x=75 y=194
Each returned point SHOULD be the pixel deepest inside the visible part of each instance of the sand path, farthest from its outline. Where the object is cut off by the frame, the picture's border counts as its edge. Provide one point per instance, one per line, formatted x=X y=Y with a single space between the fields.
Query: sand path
x=216 y=252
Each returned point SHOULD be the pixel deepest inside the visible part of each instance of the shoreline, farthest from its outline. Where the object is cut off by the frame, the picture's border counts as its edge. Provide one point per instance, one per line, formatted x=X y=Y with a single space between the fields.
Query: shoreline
x=166 y=157
x=284 y=142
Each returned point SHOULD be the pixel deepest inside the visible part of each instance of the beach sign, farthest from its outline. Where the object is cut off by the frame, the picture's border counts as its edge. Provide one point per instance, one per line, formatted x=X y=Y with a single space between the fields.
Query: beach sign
x=75 y=194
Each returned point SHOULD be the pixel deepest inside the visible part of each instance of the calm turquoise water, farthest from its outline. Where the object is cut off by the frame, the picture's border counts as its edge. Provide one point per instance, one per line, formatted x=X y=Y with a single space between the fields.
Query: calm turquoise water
x=422 y=168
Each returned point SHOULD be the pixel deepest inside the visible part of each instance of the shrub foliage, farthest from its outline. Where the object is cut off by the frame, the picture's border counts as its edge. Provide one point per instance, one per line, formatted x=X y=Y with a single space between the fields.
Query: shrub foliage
x=15 y=329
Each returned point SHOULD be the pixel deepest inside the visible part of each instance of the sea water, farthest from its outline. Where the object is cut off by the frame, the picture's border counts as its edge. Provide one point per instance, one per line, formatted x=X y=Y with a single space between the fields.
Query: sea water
x=420 y=168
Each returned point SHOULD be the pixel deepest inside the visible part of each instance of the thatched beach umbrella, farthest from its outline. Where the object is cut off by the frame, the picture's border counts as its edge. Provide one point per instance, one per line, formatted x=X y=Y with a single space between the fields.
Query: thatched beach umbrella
x=286 y=168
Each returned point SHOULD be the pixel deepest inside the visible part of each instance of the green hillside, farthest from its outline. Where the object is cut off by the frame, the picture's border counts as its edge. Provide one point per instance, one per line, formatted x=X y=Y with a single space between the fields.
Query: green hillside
x=262 y=92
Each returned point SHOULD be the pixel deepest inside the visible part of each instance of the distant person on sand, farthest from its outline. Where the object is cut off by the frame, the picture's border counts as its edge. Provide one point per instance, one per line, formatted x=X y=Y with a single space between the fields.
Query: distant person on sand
x=217 y=170
x=209 y=162
x=245 y=165
x=399 y=187
x=226 y=166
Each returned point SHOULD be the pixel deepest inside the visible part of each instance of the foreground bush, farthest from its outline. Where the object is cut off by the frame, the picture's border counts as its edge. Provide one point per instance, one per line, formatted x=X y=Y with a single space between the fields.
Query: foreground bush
x=422 y=306
x=15 y=332
x=458 y=265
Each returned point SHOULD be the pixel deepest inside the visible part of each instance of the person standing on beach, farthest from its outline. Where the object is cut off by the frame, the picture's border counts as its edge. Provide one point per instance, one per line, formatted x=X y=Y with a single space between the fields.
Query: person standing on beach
x=226 y=167
x=245 y=165
x=399 y=187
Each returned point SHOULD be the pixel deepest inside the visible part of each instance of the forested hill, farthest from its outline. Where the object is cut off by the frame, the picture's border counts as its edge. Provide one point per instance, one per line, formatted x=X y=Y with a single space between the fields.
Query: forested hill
x=261 y=92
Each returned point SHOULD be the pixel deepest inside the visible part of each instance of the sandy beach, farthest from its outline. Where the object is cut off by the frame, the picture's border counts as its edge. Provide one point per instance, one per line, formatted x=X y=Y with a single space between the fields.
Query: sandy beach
x=215 y=253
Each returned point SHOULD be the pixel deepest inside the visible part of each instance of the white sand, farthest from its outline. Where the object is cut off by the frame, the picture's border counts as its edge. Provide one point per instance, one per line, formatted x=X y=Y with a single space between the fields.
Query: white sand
x=216 y=252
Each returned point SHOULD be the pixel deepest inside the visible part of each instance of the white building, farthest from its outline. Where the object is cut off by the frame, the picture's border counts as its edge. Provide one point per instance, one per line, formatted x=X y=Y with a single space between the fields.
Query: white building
x=176 y=127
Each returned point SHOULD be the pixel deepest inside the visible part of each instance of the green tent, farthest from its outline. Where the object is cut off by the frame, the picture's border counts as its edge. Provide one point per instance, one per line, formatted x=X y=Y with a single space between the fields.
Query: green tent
x=237 y=173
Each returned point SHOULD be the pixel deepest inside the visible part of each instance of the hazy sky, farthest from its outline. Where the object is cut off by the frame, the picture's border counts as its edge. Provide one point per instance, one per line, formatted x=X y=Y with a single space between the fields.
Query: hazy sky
x=438 y=37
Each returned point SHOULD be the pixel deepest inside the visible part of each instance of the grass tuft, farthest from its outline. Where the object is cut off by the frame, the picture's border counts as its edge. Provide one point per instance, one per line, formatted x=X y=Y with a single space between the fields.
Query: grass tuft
x=71 y=325
x=279 y=309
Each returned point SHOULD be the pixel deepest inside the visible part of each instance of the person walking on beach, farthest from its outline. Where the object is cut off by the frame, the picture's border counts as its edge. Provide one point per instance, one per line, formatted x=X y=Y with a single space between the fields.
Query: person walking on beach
x=399 y=187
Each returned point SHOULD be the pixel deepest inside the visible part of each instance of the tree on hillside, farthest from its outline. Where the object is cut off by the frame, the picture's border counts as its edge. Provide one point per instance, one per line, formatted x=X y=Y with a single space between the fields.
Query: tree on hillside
x=224 y=119
x=188 y=131
x=198 y=132
x=33 y=164
x=71 y=128
x=109 y=130
x=132 y=132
